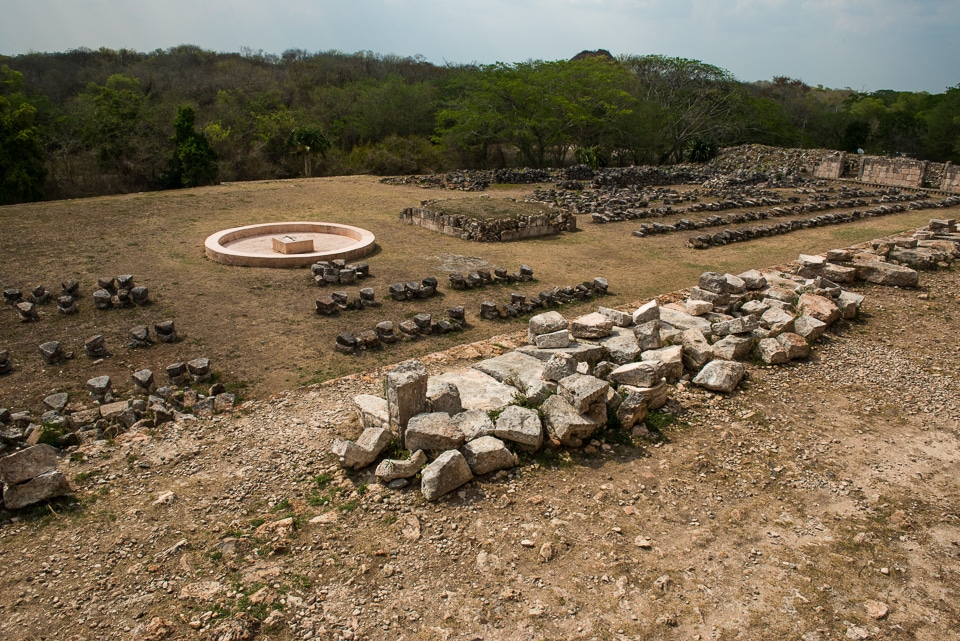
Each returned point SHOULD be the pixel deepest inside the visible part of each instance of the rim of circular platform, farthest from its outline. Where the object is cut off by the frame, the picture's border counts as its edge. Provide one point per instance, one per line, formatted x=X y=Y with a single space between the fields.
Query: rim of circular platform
x=216 y=249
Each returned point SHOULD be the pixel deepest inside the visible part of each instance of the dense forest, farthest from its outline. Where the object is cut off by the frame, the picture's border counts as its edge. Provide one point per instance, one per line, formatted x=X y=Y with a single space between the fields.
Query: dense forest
x=85 y=122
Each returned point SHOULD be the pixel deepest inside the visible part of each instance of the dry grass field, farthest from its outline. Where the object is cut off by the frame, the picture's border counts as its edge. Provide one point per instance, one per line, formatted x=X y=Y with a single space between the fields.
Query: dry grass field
x=258 y=326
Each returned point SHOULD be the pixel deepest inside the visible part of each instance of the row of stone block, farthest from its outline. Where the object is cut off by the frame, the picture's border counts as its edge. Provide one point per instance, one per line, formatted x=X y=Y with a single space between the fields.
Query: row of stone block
x=728 y=236
x=388 y=332
x=521 y=305
x=149 y=407
x=484 y=277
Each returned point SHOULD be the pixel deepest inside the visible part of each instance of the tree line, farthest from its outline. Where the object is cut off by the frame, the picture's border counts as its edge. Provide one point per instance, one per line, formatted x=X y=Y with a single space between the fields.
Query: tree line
x=84 y=122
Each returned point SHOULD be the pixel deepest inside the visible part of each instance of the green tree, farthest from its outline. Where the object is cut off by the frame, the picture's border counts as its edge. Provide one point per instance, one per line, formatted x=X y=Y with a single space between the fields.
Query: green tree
x=305 y=142
x=117 y=129
x=693 y=99
x=22 y=170
x=942 y=139
x=193 y=161
x=542 y=109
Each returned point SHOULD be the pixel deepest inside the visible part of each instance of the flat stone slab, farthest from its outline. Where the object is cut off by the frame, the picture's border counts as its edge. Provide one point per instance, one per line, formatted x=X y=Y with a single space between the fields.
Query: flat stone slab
x=583 y=352
x=27 y=463
x=683 y=320
x=874 y=271
x=512 y=368
x=479 y=391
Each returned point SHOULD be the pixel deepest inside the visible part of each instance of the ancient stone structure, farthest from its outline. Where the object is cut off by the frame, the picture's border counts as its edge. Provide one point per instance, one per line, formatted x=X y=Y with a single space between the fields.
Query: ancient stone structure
x=53 y=354
x=613 y=363
x=338 y=272
x=484 y=277
x=252 y=245
x=95 y=346
x=66 y=304
x=951 y=178
x=831 y=167
x=139 y=337
x=489 y=229
x=895 y=172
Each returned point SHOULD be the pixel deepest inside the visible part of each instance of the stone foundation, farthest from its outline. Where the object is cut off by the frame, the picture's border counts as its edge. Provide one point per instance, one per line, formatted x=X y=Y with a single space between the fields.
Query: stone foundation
x=489 y=230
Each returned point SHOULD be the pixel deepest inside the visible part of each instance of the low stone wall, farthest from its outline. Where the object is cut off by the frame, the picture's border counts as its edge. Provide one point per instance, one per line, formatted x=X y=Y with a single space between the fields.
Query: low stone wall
x=831 y=167
x=951 y=178
x=489 y=230
x=894 y=172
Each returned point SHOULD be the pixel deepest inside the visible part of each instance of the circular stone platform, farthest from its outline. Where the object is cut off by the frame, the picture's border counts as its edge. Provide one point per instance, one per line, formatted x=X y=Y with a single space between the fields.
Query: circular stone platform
x=252 y=245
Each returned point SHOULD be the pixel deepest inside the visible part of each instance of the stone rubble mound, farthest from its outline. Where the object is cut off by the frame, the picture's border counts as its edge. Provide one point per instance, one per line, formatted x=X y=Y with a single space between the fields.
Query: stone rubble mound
x=608 y=369
x=338 y=272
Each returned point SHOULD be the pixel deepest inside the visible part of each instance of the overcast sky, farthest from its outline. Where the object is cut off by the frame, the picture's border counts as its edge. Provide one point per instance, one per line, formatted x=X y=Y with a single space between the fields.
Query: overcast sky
x=866 y=45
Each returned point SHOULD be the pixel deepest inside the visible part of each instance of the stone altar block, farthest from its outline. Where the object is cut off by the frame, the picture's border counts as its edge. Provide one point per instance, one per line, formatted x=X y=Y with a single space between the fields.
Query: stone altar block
x=292 y=245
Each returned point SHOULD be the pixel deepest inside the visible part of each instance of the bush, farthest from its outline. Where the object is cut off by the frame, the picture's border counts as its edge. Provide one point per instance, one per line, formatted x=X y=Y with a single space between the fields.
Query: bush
x=395 y=156
x=703 y=150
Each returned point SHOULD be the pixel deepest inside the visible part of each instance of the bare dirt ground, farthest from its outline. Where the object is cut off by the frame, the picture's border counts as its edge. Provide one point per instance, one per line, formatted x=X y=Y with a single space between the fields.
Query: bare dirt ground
x=818 y=502
x=258 y=326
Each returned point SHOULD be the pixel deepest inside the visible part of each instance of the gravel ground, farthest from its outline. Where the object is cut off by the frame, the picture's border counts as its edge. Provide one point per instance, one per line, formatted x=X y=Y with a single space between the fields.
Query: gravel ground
x=818 y=502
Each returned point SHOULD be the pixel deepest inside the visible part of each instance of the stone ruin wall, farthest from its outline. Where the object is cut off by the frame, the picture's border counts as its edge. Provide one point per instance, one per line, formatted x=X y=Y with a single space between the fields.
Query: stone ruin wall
x=490 y=230
x=890 y=172
x=951 y=178
x=893 y=172
x=831 y=167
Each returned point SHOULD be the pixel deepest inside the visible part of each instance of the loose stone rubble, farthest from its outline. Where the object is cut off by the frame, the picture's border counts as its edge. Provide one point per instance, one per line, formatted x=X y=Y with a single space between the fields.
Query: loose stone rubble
x=65 y=423
x=521 y=304
x=338 y=272
x=484 y=277
x=119 y=291
x=609 y=369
